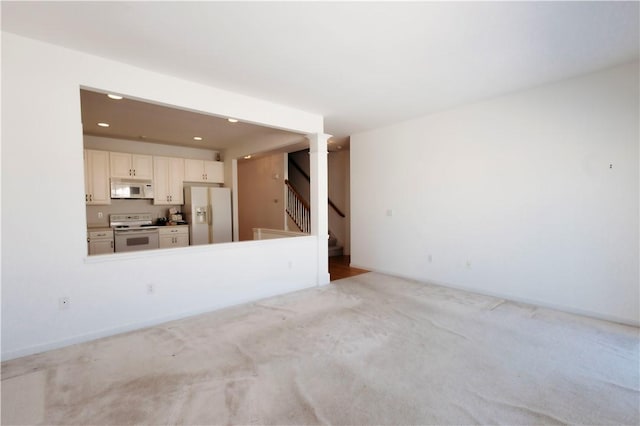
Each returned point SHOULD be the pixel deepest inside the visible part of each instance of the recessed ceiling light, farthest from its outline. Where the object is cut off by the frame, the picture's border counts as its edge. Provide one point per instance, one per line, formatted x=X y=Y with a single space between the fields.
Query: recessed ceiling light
x=197 y=138
x=103 y=124
x=246 y=157
x=232 y=120
x=116 y=97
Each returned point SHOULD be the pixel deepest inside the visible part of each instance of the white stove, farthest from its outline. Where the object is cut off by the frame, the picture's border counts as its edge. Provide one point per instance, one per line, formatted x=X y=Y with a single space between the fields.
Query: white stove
x=134 y=232
x=131 y=220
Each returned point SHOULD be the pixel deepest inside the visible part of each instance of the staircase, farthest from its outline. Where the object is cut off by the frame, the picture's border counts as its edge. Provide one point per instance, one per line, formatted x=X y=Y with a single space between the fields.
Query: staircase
x=299 y=212
x=298 y=209
x=334 y=248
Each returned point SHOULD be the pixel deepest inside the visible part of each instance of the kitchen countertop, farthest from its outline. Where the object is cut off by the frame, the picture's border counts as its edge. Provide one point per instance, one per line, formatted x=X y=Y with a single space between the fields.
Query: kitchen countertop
x=108 y=228
x=98 y=228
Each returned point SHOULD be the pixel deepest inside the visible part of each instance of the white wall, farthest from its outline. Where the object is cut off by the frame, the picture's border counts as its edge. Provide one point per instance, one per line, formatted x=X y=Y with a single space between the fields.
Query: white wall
x=43 y=217
x=520 y=187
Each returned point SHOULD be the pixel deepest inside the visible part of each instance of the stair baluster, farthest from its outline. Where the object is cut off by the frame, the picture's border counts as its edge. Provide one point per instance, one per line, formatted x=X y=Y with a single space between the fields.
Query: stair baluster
x=298 y=209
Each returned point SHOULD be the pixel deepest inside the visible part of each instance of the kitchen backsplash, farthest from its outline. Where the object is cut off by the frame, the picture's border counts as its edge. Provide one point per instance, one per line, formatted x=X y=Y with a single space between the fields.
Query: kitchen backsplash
x=124 y=206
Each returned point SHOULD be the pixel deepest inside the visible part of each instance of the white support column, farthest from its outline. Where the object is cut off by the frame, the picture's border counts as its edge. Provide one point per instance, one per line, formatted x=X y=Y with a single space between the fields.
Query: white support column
x=234 y=199
x=319 y=205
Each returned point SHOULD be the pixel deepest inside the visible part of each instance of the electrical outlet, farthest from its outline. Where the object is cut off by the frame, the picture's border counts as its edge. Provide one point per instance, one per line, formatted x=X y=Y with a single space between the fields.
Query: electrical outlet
x=151 y=288
x=468 y=264
x=100 y=215
x=389 y=212
x=64 y=303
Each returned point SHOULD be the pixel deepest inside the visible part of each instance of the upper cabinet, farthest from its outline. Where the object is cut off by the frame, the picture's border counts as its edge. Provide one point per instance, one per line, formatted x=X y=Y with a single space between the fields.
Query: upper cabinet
x=203 y=171
x=168 y=176
x=131 y=166
x=96 y=177
x=214 y=171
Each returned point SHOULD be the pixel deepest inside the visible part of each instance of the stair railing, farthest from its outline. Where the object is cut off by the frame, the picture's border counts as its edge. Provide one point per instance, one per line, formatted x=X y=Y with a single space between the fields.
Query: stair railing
x=298 y=209
x=308 y=179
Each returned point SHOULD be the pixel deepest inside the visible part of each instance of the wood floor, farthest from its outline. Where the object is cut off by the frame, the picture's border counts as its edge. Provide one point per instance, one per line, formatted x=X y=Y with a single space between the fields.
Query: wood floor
x=339 y=268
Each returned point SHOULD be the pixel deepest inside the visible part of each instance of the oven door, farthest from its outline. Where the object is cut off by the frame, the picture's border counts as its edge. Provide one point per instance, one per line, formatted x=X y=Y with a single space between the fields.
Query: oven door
x=136 y=239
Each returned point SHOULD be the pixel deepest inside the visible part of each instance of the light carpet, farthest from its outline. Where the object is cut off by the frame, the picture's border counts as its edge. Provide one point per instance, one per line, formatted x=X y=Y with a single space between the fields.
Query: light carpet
x=371 y=349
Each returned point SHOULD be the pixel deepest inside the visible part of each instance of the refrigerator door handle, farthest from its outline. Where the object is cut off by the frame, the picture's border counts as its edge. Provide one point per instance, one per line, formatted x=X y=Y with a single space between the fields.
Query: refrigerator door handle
x=209 y=212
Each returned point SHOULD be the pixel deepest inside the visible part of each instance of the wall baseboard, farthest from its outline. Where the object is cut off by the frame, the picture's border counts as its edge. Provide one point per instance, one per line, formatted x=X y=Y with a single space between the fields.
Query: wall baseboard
x=510 y=297
x=139 y=325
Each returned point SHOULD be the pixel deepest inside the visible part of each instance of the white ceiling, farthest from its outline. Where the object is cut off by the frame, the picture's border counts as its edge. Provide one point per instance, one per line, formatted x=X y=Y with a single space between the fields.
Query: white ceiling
x=361 y=65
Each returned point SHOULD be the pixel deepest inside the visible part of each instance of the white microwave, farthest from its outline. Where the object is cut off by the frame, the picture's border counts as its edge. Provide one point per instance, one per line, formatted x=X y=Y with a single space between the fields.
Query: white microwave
x=131 y=189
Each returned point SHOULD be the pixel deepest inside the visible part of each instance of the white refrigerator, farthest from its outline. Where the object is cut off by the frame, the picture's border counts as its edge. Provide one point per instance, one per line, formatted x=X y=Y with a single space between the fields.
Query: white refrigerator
x=208 y=213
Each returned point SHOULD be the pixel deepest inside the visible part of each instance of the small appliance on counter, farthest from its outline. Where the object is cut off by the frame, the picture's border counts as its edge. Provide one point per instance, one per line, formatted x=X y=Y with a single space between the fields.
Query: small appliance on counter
x=174 y=215
x=174 y=218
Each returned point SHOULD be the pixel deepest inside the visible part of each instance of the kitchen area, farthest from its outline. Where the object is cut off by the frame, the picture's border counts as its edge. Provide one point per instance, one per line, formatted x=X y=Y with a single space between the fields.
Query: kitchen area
x=154 y=177
x=140 y=202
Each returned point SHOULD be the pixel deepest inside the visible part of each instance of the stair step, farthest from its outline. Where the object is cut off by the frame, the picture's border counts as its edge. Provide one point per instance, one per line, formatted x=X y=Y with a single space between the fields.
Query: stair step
x=335 y=251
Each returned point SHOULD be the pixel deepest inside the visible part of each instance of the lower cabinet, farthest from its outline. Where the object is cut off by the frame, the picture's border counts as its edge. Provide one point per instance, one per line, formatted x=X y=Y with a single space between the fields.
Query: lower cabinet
x=100 y=242
x=174 y=236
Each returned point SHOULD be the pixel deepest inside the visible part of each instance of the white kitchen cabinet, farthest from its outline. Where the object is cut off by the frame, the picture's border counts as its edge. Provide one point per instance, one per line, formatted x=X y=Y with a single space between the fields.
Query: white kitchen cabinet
x=168 y=178
x=174 y=236
x=131 y=166
x=203 y=171
x=214 y=171
x=100 y=241
x=96 y=177
x=193 y=170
